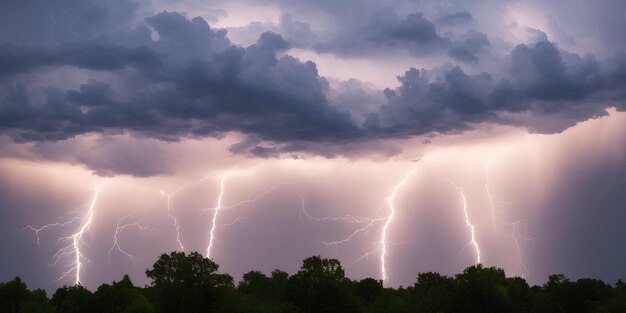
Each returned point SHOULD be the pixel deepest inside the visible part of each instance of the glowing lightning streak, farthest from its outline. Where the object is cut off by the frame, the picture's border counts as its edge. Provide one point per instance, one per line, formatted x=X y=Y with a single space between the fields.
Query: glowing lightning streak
x=217 y=211
x=392 y=211
x=515 y=235
x=369 y=223
x=467 y=221
x=169 y=207
x=257 y=198
x=45 y=227
x=169 y=213
x=120 y=229
x=78 y=237
x=77 y=241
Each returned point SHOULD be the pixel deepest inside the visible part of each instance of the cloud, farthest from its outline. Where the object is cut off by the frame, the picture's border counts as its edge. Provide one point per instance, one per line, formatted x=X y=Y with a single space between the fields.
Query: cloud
x=176 y=77
x=385 y=30
x=195 y=84
x=466 y=50
x=544 y=81
x=86 y=55
x=455 y=18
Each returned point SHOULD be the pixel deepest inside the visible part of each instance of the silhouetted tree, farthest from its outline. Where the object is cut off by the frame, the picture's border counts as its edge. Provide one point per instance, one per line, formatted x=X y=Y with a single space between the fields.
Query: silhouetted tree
x=37 y=303
x=73 y=299
x=519 y=294
x=481 y=289
x=190 y=283
x=579 y=296
x=393 y=301
x=616 y=303
x=369 y=289
x=434 y=292
x=12 y=295
x=320 y=286
x=121 y=296
x=258 y=284
x=186 y=283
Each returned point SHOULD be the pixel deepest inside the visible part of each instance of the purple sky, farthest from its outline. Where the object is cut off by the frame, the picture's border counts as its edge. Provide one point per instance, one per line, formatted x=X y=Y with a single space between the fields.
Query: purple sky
x=386 y=134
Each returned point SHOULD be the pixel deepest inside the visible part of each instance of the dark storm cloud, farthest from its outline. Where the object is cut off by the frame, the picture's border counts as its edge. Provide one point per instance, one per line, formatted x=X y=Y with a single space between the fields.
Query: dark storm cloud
x=544 y=81
x=38 y=22
x=545 y=73
x=385 y=29
x=358 y=28
x=210 y=87
x=466 y=50
x=455 y=18
x=92 y=56
x=193 y=82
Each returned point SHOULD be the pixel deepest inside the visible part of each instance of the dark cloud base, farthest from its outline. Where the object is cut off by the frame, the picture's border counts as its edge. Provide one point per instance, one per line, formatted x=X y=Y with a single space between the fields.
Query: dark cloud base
x=193 y=82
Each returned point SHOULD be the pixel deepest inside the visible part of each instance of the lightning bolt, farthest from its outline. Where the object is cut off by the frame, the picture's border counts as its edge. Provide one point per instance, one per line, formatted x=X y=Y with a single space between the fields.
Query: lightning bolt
x=514 y=234
x=469 y=225
x=48 y=226
x=248 y=201
x=367 y=223
x=220 y=206
x=174 y=219
x=215 y=215
x=364 y=225
x=392 y=212
x=119 y=229
x=241 y=219
x=76 y=240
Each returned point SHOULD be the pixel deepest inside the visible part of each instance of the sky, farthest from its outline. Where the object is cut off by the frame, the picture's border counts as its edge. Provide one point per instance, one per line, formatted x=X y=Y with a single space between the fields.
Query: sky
x=398 y=137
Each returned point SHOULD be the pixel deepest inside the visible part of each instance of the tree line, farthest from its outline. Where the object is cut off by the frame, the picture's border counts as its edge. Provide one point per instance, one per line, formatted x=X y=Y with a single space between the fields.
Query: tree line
x=190 y=283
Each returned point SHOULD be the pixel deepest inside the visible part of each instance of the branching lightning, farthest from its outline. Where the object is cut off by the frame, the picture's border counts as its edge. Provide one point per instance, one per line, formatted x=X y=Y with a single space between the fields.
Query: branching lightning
x=119 y=229
x=492 y=206
x=359 y=227
x=367 y=223
x=392 y=211
x=216 y=210
x=220 y=206
x=469 y=225
x=48 y=226
x=514 y=233
x=76 y=240
x=364 y=225
x=174 y=219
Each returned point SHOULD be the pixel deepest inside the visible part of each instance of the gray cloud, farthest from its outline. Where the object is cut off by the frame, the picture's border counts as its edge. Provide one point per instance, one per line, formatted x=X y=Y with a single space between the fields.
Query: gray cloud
x=544 y=81
x=466 y=50
x=384 y=30
x=87 y=55
x=455 y=18
x=193 y=82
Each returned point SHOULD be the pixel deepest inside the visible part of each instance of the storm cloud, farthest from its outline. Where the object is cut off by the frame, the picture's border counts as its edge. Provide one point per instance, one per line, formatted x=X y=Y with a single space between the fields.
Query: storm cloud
x=170 y=77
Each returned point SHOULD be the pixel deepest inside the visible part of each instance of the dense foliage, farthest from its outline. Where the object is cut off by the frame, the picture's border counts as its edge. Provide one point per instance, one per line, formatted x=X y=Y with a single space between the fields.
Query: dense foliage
x=190 y=283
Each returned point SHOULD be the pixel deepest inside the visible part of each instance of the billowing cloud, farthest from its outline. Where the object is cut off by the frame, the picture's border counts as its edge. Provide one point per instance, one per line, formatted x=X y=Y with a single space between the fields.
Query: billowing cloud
x=385 y=29
x=171 y=77
x=455 y=18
